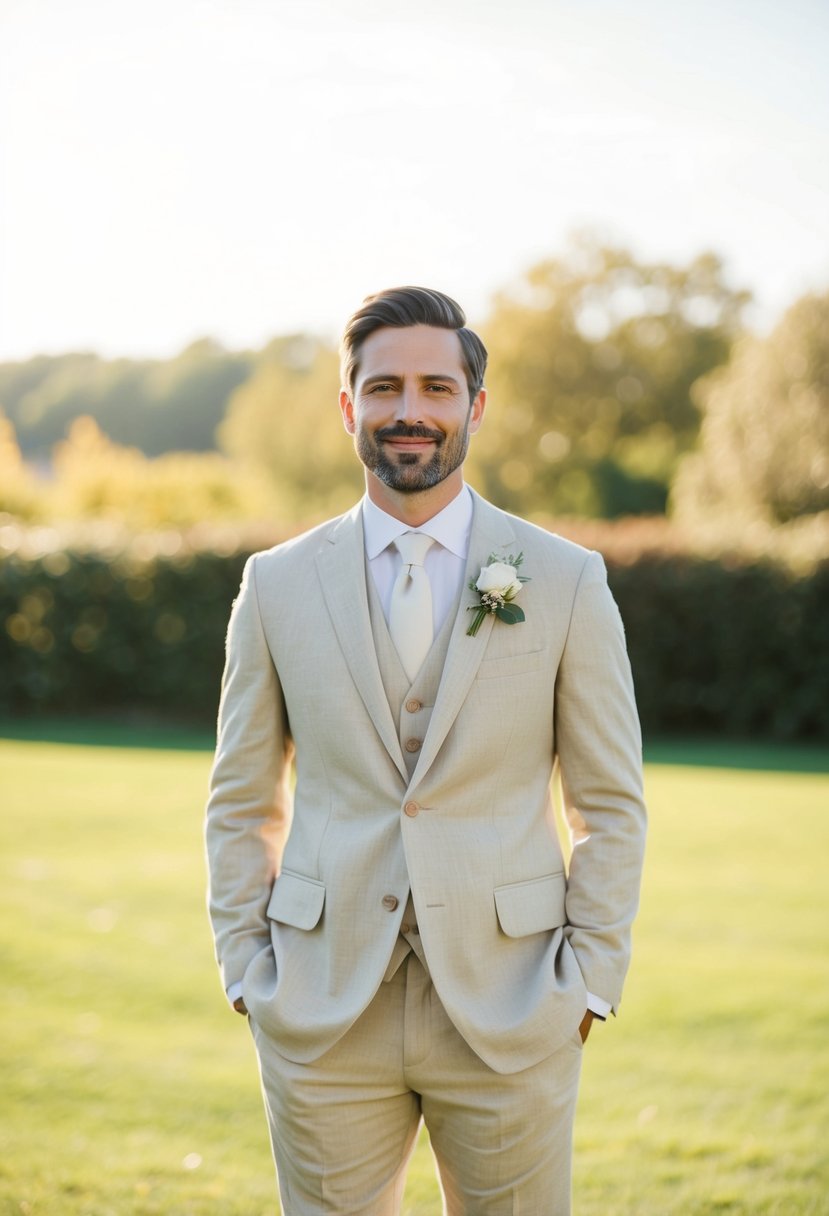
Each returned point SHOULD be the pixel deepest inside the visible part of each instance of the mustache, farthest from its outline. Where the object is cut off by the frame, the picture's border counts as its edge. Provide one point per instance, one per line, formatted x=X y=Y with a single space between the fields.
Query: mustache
x=401 y=431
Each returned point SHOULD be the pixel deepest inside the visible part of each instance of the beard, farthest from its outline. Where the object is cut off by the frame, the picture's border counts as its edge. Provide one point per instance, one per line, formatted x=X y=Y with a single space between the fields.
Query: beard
x=408 y=472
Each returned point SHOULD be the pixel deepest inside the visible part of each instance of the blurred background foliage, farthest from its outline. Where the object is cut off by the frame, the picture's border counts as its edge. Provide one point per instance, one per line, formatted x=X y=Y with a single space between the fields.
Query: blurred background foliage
x=616 y=388
x=628 y=409
x=763 y=450
x=593 y=357
x=154 y=405
x=285 y=423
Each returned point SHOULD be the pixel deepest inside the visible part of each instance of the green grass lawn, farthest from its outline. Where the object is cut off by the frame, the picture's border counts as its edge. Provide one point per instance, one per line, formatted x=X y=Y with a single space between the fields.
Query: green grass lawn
x=128 y=1086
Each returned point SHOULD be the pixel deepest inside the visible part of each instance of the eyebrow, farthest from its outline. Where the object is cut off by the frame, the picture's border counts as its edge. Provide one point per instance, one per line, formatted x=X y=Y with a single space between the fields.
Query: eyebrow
x=425 y=378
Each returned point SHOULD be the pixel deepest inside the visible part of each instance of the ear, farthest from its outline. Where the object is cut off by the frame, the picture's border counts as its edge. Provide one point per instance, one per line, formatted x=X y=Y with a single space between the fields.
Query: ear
x=476 y=411
x=347 y=411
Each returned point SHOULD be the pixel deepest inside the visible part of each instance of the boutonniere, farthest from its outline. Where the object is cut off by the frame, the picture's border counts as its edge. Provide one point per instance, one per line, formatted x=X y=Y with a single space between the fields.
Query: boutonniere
x=498 y=584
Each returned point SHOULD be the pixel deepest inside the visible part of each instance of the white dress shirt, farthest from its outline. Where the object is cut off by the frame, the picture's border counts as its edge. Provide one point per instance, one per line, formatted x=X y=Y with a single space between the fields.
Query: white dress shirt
x=445 y=564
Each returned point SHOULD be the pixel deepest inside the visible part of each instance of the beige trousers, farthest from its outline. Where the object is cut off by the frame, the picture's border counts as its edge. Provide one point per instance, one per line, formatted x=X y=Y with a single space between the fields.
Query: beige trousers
x=343 y=1127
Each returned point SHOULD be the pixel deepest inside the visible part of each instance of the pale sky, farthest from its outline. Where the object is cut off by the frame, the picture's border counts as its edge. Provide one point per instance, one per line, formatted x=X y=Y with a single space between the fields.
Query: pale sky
x=242 y=168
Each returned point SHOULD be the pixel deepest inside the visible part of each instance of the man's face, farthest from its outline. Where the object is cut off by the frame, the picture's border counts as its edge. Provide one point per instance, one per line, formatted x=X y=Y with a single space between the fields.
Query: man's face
x=410 y=413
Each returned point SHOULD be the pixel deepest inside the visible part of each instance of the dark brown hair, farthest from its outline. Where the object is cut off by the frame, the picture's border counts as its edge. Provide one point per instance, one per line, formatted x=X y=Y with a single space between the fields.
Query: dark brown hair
x=400 y=307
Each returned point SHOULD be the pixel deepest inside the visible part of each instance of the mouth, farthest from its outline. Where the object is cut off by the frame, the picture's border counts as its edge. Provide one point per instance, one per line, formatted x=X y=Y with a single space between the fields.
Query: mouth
x=409 y=445
x=408 y=439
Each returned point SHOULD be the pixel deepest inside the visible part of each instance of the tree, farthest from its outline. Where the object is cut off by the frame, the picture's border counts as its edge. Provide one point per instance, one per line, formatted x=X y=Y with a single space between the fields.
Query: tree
x=96 y=478
x=764 y=443
x=285 y=421
x=186 y=398
x=18 y=488
x=153 y=405
x=592 y=361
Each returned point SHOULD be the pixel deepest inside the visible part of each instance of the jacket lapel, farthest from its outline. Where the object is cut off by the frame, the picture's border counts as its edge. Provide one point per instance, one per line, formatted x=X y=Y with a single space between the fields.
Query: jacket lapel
x=341 y=569
x=492 y=532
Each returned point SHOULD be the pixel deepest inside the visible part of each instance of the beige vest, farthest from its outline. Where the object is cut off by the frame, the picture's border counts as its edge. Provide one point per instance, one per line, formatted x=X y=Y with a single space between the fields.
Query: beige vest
x=411 y=706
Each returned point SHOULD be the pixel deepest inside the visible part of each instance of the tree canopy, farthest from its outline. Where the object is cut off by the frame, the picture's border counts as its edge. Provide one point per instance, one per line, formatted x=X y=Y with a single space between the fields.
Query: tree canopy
x=764 y=443
x=154 y=405
x=284 y=421
x=593 y=356
x=613 y=382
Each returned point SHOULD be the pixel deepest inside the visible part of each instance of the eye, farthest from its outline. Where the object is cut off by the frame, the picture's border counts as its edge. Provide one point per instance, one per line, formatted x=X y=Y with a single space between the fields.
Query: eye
x=381 y=388
x=439 y=388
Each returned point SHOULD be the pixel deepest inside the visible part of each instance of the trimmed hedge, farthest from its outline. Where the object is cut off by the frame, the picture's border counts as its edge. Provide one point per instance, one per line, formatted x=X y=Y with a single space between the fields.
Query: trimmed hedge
x=732 y=645
x=736 y=649
x=87 y=633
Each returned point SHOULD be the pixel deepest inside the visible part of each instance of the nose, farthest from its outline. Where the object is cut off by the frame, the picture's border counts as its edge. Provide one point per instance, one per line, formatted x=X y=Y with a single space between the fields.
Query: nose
x=408 y=406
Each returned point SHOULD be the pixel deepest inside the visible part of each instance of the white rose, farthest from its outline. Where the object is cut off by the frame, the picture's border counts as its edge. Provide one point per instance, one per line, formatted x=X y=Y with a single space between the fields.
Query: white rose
x=500 y=577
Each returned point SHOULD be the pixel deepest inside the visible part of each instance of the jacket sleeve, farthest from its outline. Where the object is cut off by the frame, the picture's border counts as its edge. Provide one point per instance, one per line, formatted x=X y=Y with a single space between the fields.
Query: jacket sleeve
x=599 y=754
x=249 y=805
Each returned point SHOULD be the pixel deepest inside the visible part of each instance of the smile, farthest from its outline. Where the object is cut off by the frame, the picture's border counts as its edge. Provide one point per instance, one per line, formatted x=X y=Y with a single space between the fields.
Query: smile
x=410 y=445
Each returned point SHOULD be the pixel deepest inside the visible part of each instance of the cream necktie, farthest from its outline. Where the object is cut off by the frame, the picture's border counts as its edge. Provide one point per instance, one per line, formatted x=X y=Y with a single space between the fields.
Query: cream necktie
x=410 y=615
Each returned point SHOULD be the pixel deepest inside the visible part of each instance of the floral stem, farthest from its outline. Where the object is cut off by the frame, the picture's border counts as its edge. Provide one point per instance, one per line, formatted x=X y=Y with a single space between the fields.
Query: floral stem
x=480 y=613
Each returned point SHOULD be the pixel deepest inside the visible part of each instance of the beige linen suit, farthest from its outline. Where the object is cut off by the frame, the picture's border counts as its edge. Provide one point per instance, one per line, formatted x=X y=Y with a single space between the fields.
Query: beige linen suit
x=299 y=893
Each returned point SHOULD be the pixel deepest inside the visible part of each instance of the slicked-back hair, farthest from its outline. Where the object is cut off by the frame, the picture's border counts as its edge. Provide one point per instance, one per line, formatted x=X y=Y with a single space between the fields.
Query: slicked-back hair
x=400 y=307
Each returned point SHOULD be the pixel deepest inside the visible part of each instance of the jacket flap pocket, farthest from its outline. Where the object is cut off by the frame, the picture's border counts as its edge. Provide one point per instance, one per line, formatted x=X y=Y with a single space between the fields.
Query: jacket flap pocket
x=296 y=900
x=532 y=906
x=510 y=664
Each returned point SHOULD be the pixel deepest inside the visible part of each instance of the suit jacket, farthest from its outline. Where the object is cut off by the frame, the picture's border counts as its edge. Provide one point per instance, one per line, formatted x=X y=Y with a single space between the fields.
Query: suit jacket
x=299 y=882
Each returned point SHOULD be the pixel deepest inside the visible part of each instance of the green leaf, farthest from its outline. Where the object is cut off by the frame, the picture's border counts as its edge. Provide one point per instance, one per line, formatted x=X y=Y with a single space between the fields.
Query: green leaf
x=510 y=614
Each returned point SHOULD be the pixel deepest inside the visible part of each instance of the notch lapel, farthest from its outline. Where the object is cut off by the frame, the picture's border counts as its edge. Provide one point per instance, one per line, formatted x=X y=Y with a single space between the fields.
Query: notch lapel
x=492 y=532
x=341 y=570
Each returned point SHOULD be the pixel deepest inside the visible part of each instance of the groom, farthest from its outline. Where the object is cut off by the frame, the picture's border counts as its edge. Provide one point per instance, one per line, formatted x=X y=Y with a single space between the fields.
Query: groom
x=400 y=927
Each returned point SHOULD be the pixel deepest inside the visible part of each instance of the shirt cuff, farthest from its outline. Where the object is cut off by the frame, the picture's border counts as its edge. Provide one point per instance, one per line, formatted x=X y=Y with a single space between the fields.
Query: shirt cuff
x=596 y=1004
x=234 y=991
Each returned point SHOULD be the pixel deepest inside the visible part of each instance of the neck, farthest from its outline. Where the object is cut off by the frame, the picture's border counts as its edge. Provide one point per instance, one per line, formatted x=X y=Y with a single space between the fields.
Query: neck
x=414 y=509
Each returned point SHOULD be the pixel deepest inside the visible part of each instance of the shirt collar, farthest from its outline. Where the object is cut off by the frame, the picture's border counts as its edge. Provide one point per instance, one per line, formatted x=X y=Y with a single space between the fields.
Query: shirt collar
x=450 y=527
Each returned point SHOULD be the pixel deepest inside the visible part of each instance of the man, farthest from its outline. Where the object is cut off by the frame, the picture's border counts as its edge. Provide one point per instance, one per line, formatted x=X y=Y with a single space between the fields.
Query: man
x=401 y=930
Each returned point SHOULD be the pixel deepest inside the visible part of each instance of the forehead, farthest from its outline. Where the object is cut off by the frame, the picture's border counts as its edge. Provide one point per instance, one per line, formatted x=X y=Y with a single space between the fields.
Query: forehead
x=414 y=350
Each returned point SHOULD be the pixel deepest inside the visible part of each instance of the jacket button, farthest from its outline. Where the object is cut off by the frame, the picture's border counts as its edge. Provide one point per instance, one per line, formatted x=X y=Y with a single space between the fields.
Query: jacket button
x=414 y=705
x=411 y=809
x=390 y=902
x=412 y=745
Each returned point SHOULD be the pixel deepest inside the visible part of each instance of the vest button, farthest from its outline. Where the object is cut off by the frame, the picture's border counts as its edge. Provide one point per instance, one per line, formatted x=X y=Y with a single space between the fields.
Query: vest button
x=412 y=745
x=413 y=705
x=411 y=809
x=390 y=902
